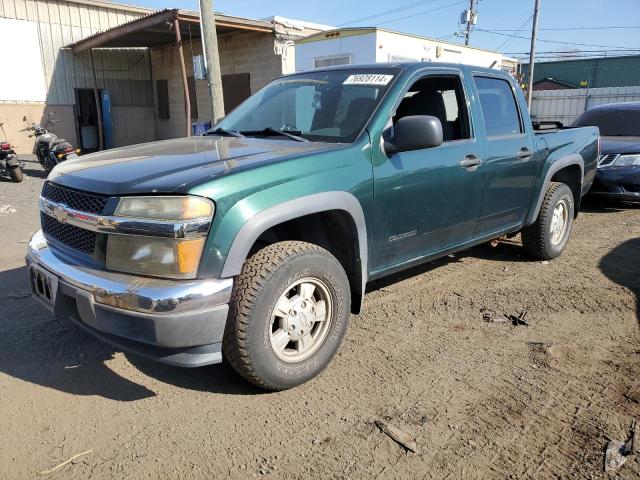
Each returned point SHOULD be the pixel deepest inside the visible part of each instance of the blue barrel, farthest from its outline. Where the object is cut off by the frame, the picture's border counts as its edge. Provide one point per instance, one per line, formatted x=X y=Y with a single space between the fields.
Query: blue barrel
x=200 y=127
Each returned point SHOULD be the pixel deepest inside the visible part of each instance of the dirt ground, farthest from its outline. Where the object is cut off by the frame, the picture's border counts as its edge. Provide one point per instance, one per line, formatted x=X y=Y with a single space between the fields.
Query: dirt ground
x=482 y=400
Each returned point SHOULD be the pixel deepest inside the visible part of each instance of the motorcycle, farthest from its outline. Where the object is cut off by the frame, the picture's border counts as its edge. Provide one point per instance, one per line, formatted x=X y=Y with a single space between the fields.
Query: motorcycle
x=9 y=163
x=50 y=149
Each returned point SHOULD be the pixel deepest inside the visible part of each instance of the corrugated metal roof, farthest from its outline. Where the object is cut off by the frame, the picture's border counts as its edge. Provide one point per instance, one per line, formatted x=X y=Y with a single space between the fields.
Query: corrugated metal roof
x=621 y=71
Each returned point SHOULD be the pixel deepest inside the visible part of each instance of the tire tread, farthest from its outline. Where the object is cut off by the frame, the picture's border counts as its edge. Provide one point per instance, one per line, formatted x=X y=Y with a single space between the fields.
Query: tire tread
x=534 y=236
x=254 y=275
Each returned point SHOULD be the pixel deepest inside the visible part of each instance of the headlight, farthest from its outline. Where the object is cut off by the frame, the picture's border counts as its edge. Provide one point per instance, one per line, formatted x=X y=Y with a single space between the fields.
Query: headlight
x=165 y=208
x=160 y=256
x=627 y=161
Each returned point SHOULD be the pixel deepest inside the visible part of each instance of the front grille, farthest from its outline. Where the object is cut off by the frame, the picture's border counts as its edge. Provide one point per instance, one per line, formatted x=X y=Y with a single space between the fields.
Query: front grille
x=85 y=202
x=69 y=235
x=607 y=159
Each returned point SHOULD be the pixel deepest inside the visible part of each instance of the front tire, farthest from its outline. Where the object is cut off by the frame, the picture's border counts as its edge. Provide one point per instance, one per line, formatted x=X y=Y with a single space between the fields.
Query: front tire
x=288 y=314
x=548 y=236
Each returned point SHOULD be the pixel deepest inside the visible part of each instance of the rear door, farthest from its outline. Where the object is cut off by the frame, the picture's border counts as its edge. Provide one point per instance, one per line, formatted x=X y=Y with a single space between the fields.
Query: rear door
x=510 y=166
x=429 y=200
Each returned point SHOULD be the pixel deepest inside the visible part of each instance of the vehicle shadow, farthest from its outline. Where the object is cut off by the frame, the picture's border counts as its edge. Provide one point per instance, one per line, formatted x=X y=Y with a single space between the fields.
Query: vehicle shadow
x=53 y=352
x=219 y=378
x=505 y=251
x=591 y=204
x=32 y=167
x=622 y=266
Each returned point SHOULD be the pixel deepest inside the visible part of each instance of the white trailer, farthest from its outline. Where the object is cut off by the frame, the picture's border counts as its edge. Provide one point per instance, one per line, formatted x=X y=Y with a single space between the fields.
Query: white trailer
x=374 y=45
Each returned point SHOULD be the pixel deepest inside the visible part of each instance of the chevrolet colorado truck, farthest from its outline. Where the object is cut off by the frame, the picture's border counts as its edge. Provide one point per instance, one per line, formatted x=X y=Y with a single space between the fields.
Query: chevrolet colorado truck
x=256 y=241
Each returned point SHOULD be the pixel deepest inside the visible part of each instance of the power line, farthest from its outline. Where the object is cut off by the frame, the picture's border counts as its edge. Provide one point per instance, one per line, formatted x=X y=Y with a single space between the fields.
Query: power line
x=387 y=12
x=423 y=13
x=584 y=57
x=608 y=53
x=548 y=41
x=578 y=51
x=509 y=40
x=562 y=29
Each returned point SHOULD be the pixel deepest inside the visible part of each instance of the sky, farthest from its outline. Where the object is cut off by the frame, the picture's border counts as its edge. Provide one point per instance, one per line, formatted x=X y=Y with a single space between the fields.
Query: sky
x=585 y=25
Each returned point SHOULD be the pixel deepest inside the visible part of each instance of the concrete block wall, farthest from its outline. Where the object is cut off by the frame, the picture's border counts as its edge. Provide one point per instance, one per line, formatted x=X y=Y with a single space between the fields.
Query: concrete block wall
x=250 y=52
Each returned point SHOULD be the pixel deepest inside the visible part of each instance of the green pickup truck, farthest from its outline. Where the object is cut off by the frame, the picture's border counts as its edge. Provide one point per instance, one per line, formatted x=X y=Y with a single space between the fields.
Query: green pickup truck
x=257 y=240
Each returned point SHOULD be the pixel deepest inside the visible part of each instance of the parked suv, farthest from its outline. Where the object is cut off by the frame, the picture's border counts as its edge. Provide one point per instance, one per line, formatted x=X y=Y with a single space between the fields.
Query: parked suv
x=257 y=241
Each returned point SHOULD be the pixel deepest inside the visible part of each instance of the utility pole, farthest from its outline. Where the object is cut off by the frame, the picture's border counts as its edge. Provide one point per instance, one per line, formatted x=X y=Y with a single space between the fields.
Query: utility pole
x=210 y=44
x=470 y=18
x=532 y=52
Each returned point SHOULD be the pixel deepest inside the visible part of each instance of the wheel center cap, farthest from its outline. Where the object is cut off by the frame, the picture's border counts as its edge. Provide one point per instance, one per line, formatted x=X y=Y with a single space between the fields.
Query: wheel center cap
x=300 y=321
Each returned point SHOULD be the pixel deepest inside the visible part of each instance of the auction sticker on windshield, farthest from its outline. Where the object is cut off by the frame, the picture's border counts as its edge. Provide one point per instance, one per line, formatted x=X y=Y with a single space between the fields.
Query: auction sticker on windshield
x=368 y=79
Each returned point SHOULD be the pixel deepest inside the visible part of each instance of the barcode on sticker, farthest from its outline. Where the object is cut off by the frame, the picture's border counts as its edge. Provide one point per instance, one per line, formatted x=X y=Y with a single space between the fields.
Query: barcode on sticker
x=367 y=79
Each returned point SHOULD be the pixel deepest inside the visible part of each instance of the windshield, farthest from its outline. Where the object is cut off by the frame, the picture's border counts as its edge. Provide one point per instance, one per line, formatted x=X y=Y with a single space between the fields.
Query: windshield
x=325 y=106
x=612 y=123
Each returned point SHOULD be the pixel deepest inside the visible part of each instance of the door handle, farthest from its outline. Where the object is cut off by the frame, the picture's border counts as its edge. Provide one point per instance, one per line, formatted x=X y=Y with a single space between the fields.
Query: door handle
x=470 y=162
x=524 y=153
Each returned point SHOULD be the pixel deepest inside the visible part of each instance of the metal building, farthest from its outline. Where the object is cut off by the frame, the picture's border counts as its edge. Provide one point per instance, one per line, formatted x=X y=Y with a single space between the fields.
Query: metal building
x=138 y=75
x=49 y=81
x=601 y=72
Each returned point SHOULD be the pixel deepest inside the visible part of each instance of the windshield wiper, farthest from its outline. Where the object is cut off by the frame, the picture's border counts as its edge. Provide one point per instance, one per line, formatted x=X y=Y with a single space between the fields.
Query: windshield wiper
x=270 y=131
x=224 y=132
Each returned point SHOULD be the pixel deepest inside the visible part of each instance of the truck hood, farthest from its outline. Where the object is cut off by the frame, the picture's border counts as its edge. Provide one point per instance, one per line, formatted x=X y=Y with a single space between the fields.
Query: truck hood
x=173 y=166
x=619 y=145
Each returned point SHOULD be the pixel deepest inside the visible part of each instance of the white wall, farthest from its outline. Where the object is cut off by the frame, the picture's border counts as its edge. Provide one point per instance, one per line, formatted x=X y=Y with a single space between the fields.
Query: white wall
x=362 y=47
x=382 y=46
x=397 y=47
x=20 y=50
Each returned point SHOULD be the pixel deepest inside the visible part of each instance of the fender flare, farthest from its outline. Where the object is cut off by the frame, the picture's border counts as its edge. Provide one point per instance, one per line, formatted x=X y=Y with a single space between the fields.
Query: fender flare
x=572 y=159
x=290 y=210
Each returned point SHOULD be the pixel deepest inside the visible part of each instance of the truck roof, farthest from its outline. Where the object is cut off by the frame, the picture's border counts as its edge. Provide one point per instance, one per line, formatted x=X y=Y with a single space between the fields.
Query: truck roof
x=403 y=66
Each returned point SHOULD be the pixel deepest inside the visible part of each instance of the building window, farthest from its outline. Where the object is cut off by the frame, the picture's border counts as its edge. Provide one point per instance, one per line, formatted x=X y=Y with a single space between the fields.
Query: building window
x=193 y=98
x=162 y=93
x=333 y=60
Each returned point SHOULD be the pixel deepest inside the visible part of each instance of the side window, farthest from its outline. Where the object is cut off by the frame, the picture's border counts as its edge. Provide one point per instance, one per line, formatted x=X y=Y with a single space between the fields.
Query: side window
x=499 y=108
x=441 y=97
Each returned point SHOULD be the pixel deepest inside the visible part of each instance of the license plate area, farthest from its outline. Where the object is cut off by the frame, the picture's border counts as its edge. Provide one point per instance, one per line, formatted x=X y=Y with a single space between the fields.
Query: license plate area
x=44 y=286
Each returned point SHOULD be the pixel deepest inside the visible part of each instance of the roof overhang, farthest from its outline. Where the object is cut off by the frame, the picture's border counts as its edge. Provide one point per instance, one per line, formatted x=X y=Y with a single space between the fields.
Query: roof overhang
x=157 y=30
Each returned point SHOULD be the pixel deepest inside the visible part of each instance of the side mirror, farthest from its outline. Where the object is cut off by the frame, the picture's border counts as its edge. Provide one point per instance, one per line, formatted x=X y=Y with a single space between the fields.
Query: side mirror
x=415 y=132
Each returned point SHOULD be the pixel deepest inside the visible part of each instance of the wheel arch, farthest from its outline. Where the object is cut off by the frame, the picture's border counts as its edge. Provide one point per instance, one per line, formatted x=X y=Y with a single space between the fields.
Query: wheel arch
x=568 y=170
x=343 y=204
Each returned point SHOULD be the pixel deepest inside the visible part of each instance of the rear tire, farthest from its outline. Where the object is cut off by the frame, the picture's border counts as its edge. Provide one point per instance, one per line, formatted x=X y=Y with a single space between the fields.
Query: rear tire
x=288 y=314
x=16 y=174
x=548 y=236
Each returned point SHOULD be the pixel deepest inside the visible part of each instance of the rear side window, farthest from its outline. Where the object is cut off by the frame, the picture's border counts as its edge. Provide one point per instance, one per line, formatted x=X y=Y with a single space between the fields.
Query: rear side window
x=499 y=107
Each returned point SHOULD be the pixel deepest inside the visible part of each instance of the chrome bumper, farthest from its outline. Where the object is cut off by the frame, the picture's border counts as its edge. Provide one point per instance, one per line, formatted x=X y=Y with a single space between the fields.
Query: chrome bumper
x=130 y=292
x=168 y=314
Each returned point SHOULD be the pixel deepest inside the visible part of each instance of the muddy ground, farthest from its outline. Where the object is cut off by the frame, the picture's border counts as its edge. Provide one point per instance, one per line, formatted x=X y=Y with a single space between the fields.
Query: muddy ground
x=482 y=400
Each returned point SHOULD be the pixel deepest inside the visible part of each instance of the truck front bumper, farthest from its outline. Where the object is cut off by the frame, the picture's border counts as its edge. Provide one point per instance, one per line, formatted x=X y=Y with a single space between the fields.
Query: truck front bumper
x=179 y=322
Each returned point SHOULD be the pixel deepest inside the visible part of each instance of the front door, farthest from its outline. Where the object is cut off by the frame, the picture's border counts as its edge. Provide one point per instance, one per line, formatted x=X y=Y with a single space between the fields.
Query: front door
x=429 y=200
x=511 y=167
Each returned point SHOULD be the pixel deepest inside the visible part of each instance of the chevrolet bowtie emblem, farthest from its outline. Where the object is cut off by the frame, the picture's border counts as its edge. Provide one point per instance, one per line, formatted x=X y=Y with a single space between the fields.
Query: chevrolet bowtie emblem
x=60 y=214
